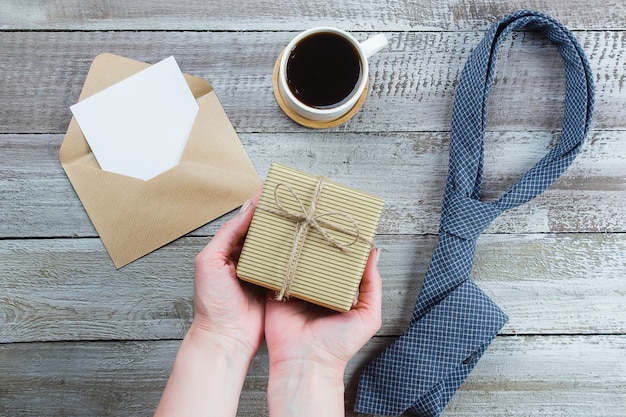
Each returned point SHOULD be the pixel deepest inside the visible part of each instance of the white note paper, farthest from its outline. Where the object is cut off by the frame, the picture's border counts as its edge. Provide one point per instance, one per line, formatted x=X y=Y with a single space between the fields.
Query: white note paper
x=139 y=126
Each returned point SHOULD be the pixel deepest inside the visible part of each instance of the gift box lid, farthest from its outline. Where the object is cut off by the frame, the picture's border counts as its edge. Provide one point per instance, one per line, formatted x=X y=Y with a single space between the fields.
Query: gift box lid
x=324 y=262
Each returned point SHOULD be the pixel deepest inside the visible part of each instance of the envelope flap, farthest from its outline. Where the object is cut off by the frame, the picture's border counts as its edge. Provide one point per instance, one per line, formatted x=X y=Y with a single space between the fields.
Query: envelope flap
x=213 y=138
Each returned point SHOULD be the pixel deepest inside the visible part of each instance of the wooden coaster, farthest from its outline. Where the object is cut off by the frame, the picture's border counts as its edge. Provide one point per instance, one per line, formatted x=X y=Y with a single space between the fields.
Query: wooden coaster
x=315 y=124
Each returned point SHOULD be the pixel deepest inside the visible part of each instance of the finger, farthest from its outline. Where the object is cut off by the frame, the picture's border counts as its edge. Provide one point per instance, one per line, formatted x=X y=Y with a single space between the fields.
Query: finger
x=371 y=288
x=231 y=233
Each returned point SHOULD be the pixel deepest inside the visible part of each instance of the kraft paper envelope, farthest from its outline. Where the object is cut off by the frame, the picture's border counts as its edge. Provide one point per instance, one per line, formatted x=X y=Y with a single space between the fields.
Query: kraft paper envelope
x=134 y=217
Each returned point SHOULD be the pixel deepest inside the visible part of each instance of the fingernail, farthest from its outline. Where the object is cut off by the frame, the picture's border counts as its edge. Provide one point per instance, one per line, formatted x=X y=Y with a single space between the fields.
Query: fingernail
x=377 y=255
x=245 y=206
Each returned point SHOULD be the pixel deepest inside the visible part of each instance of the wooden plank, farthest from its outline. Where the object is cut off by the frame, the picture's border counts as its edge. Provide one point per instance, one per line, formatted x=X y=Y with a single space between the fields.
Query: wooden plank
x=411 y=83
x=288 y=15
x=408 y=170
x=68 y=289
x=539 y=376
x=562 y=283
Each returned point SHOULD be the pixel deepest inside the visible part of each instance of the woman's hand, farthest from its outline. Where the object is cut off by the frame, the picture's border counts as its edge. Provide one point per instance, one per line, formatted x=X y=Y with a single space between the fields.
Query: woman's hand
x=310 y=346
x=224 y=305
x=227 y=330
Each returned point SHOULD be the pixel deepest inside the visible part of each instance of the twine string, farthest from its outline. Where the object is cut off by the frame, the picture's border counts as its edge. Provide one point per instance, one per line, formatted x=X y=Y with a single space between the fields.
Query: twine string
x=307 y=219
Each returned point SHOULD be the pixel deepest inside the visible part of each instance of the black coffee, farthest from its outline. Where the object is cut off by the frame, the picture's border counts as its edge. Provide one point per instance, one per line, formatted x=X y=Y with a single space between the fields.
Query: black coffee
x=323 y=70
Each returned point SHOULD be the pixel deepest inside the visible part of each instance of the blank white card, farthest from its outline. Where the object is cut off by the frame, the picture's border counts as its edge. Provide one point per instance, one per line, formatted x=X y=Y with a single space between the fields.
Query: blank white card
x=139 y=126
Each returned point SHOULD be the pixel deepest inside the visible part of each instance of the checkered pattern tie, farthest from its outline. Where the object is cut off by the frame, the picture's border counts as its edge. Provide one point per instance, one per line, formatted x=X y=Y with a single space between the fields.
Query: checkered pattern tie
x=454 y=321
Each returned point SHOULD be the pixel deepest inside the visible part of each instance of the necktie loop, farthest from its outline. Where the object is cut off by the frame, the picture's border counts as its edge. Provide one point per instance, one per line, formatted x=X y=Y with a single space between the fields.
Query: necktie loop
x=469 y=123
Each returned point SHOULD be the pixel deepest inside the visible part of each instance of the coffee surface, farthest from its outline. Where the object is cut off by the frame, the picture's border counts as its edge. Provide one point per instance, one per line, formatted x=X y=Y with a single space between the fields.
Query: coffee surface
x=323 y=70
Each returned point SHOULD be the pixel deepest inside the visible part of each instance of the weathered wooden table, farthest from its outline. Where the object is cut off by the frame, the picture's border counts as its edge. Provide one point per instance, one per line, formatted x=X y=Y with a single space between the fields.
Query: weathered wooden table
x=78 y=337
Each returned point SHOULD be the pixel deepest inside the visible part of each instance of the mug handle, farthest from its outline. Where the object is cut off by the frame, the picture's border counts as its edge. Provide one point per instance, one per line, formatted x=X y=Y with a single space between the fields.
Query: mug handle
x=374 y=44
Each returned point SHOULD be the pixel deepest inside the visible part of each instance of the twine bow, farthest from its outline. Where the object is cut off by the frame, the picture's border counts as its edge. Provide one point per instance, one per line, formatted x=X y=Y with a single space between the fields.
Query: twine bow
x=306 y=219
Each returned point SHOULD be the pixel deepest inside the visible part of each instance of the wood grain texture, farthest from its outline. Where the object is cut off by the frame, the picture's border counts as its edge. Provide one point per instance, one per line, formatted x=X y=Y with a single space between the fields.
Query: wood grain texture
x=407 y=170
x=68 y=289
x=234 y=15
x=537 y=376
x=78 y=337
x=412 y=83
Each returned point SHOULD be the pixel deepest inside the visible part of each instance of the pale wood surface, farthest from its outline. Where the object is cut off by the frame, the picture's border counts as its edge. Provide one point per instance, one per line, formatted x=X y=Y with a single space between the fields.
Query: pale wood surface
x=79 y=338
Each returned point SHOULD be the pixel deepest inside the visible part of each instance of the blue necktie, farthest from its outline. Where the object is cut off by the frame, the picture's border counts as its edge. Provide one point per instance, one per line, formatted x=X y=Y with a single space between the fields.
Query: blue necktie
x=454 y=321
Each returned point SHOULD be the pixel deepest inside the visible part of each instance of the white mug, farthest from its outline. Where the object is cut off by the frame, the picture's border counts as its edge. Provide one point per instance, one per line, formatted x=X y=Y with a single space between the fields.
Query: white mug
x=326 y=111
